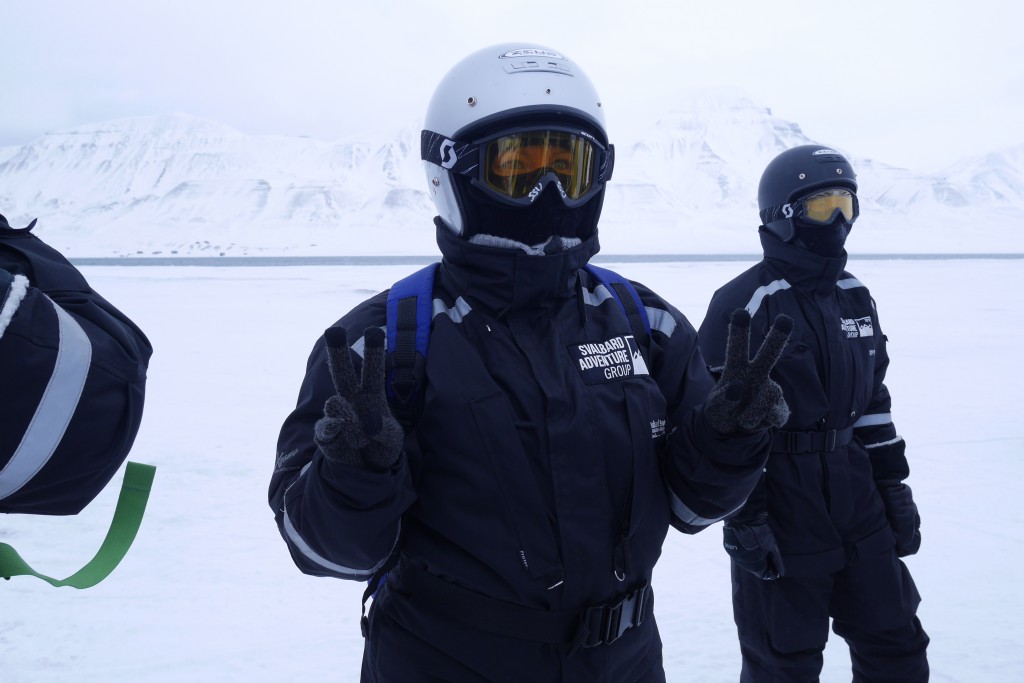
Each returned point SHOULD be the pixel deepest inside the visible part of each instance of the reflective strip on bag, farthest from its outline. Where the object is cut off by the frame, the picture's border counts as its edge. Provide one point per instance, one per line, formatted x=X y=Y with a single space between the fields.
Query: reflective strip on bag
x=55 y=410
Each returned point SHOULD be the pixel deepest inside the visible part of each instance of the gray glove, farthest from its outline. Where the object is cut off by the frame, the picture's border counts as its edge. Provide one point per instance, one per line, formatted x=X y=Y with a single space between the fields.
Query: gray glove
x=357 y=427
x=746 y=399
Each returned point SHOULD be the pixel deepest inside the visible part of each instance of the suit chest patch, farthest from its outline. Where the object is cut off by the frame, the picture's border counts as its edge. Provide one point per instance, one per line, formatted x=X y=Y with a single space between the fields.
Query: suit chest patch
x=608 y=360
x=857 y=327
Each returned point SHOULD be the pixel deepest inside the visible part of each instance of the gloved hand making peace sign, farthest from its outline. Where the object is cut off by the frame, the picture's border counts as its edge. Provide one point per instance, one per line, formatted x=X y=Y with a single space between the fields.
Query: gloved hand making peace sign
x=746 y=399
x=357 y=427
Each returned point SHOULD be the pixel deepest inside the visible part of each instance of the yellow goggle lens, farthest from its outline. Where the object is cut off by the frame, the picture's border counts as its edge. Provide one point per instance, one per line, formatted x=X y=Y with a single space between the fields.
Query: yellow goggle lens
x=821 y=206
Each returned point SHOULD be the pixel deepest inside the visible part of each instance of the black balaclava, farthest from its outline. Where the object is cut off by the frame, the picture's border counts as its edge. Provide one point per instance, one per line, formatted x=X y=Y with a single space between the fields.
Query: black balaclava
x=823 y=240
x=534 y=224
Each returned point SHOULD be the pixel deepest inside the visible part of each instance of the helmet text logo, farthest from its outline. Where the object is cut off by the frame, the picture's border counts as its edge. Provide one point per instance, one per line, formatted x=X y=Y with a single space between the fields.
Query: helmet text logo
x=530 y=52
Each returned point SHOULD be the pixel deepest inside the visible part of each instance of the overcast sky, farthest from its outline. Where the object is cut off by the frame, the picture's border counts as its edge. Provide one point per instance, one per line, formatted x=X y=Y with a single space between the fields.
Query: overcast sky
x=915 y=83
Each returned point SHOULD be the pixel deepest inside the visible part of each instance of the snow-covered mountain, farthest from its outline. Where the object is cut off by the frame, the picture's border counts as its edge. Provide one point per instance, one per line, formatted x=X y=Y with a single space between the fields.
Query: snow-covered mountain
x=685 y=182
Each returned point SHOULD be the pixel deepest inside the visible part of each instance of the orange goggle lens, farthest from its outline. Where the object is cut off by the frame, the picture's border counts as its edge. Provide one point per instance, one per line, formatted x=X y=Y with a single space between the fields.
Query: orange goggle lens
x=515 y=164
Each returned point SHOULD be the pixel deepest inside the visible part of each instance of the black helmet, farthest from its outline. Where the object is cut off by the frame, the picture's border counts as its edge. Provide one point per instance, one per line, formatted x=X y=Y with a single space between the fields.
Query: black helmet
x=797 y=173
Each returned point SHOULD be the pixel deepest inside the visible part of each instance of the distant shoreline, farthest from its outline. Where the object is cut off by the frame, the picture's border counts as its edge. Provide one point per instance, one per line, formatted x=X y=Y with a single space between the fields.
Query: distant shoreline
x=270 y=261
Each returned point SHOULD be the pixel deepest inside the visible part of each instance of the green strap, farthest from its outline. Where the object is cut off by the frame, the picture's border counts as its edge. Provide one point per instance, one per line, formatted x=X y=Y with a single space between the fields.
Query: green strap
x=131 y=505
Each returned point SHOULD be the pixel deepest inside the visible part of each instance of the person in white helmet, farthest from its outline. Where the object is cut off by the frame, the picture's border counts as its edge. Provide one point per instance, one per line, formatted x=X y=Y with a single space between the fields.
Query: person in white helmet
x=513 y=464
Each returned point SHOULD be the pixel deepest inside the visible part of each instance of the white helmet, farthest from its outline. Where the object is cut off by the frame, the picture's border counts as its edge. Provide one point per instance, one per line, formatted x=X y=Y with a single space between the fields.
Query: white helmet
x=511 y=86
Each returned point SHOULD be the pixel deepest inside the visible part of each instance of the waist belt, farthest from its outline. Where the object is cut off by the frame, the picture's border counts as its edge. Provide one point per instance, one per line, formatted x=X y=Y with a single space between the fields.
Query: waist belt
x=810 y=442
x=589 y=627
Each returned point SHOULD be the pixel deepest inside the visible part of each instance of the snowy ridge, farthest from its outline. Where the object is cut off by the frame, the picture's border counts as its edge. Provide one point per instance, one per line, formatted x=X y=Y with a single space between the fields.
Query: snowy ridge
x=685 y=181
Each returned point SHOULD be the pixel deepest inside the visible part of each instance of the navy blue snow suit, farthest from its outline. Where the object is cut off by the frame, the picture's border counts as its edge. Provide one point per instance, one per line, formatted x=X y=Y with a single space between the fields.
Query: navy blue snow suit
x=539 y=481
x=821 y=484
x=73 y=374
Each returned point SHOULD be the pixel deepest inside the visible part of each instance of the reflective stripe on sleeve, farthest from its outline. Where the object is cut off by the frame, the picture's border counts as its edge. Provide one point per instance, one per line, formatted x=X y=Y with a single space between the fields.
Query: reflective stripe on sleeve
x=596 y=297
x=688 y=516
x=849 y=283
x=661 y=320
x=890 y=442
x=873 y=420
x=316 y=558
x=55 y=409
x=457 y=312
x=765 y=291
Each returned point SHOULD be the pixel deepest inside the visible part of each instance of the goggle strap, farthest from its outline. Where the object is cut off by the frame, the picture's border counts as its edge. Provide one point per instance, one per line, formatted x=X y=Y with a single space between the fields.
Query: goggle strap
x=796 y=210
x=774 y=213
x=452 y=155
x=604 y=173
x=464 y=157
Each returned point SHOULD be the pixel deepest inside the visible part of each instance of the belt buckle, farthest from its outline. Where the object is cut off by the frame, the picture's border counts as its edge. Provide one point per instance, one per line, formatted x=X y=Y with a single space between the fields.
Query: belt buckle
x=830 y=440
x=613 y=625
x=593 y=627
x=801 y=442
x=791 y=442
x=614 y=620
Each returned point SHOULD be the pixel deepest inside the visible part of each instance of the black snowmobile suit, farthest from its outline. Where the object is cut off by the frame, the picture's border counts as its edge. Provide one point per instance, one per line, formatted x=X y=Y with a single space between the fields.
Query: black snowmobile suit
x=536 y=486
x=819 y=485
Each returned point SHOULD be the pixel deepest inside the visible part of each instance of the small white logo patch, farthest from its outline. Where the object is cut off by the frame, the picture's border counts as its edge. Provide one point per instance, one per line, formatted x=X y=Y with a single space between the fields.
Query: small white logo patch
x=448 y=156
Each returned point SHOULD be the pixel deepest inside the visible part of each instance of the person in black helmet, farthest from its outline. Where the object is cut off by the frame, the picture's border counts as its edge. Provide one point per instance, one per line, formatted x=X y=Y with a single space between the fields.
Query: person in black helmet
x=520 y=509
x=822 y=533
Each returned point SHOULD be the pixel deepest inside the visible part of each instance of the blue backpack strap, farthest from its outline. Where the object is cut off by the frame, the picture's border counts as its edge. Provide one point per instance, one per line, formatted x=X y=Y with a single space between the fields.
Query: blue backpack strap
x=409 y=311
x=624 y=292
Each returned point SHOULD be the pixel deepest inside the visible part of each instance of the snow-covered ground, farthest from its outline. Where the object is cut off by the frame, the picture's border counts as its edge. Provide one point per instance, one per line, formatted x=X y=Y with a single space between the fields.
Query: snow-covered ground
x=208 y=592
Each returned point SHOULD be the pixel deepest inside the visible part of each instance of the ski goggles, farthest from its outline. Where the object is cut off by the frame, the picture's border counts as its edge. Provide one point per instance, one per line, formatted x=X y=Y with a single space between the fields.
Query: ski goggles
x=820 y=208
x=516 y=165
